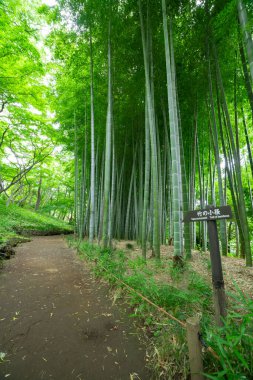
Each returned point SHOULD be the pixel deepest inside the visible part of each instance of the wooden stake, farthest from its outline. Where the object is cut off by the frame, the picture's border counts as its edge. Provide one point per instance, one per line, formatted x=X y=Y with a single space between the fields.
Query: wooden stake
x=194 y=346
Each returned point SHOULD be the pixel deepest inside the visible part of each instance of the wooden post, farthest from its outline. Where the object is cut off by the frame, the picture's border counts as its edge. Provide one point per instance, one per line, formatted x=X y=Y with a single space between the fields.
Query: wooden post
x=194 y=346
x=217 y=275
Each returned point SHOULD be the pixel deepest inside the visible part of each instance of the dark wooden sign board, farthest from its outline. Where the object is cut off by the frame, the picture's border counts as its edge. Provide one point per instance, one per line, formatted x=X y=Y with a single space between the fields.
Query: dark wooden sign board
x=211 y=214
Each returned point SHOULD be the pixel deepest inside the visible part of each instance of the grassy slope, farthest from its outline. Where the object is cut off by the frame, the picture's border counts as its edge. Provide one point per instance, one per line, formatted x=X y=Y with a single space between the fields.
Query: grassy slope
x=14 y=218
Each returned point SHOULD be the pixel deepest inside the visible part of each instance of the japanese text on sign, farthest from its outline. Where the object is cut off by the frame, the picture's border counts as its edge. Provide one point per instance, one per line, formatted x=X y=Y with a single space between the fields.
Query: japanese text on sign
x=210 y=213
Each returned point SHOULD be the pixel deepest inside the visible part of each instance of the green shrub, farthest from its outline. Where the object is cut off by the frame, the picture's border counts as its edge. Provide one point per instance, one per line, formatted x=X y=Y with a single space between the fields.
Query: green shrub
x=234 y=341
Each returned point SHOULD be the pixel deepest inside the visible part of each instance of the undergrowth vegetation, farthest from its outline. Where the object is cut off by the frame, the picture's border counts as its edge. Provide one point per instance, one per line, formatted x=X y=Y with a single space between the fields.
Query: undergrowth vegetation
x=187 y=294
x=15 y=219
x=234 y=341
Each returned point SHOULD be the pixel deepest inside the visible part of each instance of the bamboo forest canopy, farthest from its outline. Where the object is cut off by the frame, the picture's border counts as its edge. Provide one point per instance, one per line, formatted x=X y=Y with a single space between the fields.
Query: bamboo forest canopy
x=150 y=104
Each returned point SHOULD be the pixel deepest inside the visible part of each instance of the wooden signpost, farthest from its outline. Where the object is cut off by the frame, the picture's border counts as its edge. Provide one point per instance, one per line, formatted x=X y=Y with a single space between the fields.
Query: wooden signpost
x=211 y=214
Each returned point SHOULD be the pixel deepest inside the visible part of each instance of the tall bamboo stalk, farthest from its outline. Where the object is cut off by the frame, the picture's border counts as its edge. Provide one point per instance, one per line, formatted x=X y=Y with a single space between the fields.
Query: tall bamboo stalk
x=92 y=169
x=242 y=13
x=175 y=147
x=223 y=231
x=152 y=129
x=237 y=169
x=146 y=184
x=108 y=148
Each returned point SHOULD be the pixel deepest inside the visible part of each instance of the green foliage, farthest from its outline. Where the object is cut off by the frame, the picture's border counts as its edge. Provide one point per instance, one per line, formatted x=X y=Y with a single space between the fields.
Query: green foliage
x=234 y=341
x=28 y=137
x=14 y=218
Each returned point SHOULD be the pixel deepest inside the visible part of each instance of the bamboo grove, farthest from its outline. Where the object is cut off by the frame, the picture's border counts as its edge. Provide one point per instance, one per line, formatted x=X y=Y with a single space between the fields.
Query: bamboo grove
x=155 y=99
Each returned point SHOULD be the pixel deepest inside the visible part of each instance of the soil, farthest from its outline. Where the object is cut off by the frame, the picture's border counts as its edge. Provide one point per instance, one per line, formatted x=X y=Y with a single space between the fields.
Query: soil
x=58 y=323
x=49 y=232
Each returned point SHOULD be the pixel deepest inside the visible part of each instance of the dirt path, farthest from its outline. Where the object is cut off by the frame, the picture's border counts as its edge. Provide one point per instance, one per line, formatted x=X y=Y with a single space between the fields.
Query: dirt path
x=57 y=323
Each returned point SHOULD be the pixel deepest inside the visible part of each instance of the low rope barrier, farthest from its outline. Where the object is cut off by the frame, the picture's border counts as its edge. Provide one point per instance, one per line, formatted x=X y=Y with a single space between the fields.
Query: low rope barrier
x=146 y=299
x=161 y=309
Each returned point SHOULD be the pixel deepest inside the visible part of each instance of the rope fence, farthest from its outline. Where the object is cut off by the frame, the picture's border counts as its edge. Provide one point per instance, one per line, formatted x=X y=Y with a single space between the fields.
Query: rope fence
x=162 y=310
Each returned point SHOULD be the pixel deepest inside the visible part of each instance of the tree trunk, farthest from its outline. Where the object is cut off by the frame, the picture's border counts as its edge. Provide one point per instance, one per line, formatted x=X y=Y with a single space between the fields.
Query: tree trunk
x=38 y=201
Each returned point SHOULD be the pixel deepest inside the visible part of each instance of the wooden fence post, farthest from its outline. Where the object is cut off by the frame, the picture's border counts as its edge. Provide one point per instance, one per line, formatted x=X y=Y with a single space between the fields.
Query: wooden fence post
x=194 y=346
